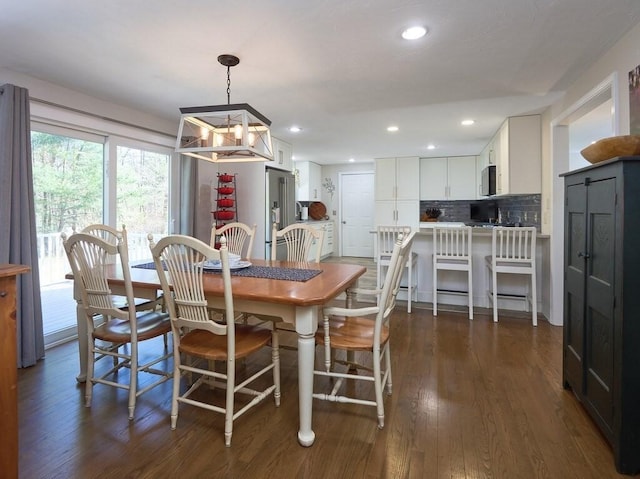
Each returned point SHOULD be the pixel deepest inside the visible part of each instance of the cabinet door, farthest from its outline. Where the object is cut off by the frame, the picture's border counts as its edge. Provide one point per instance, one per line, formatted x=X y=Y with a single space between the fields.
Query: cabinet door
x=282 y=155
x=407 y=178
x=385 y=213
x=385 y=179
x=599 y=298
x=315 y=181
x=433 y=178
x=575 y=271
x=408 y=213
x=461 y=174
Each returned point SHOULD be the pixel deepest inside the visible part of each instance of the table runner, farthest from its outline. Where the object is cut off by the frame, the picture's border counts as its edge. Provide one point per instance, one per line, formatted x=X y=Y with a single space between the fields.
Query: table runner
x=269 y=272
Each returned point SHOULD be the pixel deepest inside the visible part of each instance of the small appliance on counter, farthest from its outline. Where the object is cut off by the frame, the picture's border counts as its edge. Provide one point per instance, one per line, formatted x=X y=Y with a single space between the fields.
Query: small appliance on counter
x=304 y=213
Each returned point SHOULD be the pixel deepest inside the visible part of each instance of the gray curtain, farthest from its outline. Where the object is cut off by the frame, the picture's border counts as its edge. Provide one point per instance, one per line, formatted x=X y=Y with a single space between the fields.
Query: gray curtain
x=18 y=242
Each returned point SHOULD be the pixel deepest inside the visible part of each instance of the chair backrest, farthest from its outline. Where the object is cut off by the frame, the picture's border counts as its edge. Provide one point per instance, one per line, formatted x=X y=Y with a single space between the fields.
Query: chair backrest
x=513 y=244
x=299 y=239
x=180 y=264
x=90 y=257
x=452 y=243
x=391 y=286
x=239 y=238
x=386 y=238
x=106 y=232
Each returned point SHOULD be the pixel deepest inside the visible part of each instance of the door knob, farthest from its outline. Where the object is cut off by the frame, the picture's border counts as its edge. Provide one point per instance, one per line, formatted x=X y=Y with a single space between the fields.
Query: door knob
x=344 y=222
x=583 y=255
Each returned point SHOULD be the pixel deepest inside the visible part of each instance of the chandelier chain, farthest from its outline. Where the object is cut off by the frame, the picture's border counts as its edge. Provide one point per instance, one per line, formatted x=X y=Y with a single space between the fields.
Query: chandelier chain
x=229 y=85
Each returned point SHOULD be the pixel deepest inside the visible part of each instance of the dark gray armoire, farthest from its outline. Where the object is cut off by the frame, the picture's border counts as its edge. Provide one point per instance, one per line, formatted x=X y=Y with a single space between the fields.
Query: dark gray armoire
x=601 y=356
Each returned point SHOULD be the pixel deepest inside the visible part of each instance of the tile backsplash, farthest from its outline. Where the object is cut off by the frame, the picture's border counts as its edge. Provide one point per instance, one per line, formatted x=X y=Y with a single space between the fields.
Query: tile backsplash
x=524 y=209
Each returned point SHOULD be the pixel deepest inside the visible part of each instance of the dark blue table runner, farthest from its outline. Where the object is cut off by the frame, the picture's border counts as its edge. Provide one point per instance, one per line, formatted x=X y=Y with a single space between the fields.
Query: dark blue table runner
x=269 y=272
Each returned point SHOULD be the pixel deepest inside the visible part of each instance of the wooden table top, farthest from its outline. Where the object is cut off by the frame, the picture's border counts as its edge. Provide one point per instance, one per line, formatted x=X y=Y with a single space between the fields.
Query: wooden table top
x=334 y=279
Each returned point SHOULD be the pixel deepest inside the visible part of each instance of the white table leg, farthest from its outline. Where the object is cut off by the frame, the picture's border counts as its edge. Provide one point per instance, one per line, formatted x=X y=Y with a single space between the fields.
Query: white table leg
x=306 y=326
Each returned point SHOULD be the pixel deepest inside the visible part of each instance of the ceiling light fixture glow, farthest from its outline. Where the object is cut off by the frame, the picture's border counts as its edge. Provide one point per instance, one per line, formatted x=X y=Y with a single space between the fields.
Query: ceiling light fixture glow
x=228 y=133
x=351 y=160
x=295 y=129
x=431 y=147
x=392 y=128
x=414 y=33
x=467 y=122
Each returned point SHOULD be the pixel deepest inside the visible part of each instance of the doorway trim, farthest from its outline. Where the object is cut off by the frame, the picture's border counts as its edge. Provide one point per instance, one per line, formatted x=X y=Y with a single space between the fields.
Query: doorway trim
x=605 y=90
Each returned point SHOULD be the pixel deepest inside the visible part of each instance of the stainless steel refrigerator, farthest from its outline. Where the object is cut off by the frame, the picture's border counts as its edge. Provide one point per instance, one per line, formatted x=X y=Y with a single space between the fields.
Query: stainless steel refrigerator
x=280 y=207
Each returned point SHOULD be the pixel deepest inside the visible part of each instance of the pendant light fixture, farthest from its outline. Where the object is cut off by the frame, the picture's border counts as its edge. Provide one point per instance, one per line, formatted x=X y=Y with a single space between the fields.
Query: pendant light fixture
x=228 y=133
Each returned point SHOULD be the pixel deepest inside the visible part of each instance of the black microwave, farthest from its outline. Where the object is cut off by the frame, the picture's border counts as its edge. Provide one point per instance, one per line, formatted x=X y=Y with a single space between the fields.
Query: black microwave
x=488 y=181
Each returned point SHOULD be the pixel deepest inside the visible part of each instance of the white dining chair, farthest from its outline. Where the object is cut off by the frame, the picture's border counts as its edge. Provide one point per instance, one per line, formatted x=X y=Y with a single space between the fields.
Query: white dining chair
x=89 y=257
x=452 y=251
x=385 y=240
x=513 y=250
x=360 y=330
x=204 y=340
x=300 y=239
x=239 y=238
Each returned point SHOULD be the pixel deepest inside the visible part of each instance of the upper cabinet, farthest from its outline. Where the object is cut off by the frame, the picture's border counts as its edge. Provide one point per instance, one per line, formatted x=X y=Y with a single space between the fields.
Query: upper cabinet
x=282 y=155
x=517 y=151
x=397 y=191
x=452 y=178
x=396 y=178
x=309 y=181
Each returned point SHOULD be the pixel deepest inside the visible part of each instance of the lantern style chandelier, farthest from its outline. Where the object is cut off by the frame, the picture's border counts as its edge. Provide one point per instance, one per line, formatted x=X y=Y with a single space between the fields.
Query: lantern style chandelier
x=228 y=133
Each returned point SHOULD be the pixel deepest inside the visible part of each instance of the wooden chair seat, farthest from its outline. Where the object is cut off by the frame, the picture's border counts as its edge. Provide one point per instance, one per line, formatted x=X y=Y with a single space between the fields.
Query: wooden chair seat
x=150 y=325
x=213 y=347
x=352 y=334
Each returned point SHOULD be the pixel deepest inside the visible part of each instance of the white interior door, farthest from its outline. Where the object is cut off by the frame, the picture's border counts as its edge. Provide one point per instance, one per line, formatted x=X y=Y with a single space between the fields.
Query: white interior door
x=356 y=214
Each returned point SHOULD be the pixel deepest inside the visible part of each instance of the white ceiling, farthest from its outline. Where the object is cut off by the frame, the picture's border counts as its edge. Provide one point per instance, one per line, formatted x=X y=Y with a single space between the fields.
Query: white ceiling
x=336 y=68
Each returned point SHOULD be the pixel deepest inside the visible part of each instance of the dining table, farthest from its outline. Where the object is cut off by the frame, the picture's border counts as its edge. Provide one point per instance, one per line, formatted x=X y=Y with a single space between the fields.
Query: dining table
x=293 y=291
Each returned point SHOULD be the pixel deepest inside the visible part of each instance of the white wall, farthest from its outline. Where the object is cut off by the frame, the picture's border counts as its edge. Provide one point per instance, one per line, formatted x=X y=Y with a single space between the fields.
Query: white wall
x=42 y=90
x=620 y=59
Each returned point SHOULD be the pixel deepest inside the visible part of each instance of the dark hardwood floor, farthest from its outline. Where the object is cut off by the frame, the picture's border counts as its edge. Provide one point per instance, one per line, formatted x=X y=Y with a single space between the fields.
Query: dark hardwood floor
x=471 y=399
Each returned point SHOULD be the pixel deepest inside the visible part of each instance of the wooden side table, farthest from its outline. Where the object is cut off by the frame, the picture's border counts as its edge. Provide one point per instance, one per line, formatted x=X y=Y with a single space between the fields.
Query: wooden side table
x=8 y=371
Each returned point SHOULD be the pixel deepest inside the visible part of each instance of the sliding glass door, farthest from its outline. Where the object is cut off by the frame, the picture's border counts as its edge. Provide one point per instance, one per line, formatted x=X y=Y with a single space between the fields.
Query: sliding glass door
x=79 y=179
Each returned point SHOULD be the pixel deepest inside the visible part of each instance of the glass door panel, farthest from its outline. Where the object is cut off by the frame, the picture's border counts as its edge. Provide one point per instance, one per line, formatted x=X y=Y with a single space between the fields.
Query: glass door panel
x=142 y=197
x=68 y=189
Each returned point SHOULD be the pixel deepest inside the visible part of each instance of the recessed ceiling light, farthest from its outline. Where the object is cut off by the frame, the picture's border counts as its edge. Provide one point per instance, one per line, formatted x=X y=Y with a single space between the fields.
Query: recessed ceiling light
x=351 y=160
x=413 y=33
x=431 y=147
x=295 y=129
x=392 y=128
x=467 y=122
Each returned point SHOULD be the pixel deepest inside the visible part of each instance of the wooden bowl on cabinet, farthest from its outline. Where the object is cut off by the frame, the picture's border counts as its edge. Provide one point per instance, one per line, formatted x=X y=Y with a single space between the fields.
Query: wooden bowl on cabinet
x=607 y=148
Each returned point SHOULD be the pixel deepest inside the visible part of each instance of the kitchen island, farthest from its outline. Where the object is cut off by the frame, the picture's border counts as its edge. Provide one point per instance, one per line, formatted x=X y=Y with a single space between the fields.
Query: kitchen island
x=457 y=281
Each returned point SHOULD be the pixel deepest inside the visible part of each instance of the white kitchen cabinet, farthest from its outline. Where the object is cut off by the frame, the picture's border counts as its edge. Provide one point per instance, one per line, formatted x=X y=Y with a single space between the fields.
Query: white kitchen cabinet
x=518 y=154
x=397 y=191
x=397 y=178
x=309 y=181
x=452 y=178
x=327 y=242
x=282 y=155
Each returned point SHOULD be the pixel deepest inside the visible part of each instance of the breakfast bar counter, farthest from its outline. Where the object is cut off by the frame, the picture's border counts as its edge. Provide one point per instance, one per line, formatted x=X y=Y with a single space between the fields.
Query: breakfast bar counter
x=457 y=281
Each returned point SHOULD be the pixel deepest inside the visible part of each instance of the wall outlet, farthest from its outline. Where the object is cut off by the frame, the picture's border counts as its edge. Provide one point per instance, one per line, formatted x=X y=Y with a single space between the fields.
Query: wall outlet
x=334 y=212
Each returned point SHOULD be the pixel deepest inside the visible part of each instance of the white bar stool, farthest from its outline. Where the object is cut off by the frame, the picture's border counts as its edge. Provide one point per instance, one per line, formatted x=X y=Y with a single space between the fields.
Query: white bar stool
x=513 y=250
x=452 y=251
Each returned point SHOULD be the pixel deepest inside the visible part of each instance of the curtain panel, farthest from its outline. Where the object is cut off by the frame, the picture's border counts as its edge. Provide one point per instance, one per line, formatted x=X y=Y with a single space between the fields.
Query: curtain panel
x=18 y=242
